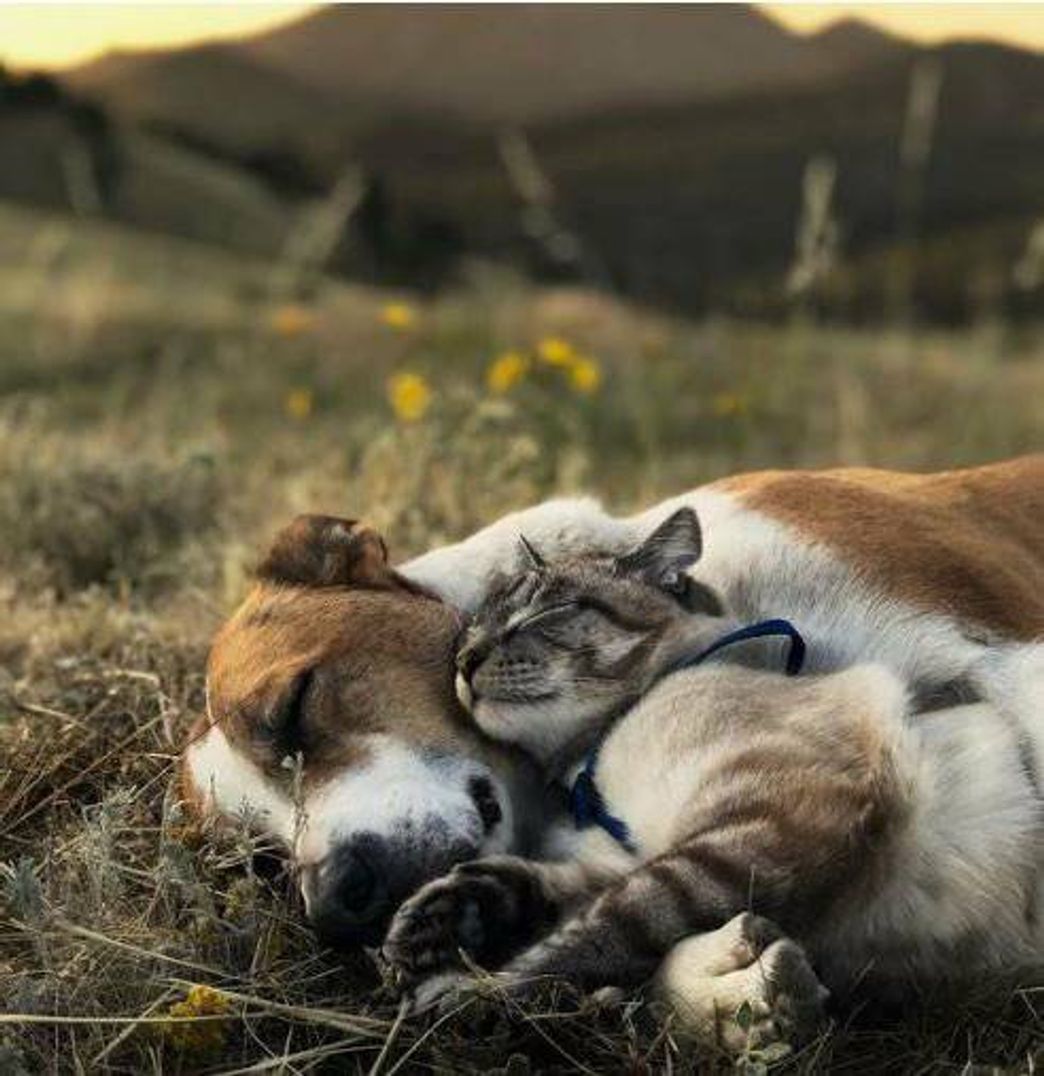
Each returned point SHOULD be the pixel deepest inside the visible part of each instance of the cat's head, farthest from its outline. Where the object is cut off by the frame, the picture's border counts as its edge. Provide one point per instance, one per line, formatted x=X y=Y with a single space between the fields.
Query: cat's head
x=559 y=649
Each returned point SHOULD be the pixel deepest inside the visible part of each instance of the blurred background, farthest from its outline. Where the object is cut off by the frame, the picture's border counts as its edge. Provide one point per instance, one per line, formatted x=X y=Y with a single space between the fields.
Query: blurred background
x=423 y=262
x=426 y=264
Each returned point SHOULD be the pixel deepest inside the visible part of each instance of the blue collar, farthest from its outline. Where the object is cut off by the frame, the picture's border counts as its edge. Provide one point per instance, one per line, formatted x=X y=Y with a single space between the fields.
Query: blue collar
x=585 y=801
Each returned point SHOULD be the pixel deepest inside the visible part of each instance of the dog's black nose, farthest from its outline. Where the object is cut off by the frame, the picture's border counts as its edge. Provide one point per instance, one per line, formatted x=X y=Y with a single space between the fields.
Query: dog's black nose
x=356 y=885
x=350 y=900
x=353 y=892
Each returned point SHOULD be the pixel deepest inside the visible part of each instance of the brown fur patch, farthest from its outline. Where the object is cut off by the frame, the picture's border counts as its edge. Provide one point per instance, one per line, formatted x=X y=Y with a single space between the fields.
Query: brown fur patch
x=377 y=652
x=969 y=544
x=378 y=659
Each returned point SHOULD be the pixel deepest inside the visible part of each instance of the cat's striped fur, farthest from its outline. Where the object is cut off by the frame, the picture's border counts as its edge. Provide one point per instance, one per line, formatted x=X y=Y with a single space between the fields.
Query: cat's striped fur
x=897 y=847
x=937 y=577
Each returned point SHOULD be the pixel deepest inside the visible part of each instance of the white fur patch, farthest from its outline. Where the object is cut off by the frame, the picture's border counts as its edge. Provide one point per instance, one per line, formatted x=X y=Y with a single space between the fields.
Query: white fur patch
x=765 y=569
x=762 y=568
x=395 y=791
x=463 y=690
x=1013 y=679
x=966 y=866
x=462 y=573
x=232 y=785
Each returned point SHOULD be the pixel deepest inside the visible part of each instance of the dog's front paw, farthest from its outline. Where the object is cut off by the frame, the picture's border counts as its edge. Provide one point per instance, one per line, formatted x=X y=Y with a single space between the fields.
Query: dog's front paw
x=475 y=909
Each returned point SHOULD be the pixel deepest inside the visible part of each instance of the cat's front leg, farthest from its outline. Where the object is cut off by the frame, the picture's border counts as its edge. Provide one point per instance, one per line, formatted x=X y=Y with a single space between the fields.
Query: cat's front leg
x=743 y=986
x=489 y=909
x=740 y=988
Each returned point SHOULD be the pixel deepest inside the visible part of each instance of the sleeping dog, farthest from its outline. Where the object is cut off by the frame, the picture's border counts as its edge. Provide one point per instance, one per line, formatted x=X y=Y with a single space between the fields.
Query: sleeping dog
x=344 y=665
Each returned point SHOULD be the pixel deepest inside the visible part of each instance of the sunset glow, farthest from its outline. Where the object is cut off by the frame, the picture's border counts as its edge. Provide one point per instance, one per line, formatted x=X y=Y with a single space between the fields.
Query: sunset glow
x=1015 y=24
x=59 y=35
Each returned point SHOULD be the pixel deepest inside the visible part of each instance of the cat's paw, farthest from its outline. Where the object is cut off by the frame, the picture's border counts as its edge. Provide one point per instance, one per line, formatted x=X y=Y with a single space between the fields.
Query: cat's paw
x=443 y=992
x=484 y=994
x=743 y=987
x=477 y=909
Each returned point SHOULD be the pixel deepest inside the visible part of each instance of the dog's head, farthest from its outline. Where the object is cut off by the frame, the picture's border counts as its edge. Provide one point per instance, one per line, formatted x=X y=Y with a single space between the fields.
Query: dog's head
x=333 y=725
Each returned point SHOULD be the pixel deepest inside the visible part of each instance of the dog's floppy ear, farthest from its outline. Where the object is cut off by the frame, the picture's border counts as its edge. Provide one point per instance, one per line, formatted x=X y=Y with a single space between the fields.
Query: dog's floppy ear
x=324 y=551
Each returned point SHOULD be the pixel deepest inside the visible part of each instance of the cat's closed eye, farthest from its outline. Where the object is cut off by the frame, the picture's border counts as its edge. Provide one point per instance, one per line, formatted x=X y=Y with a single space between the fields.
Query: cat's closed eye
x=574 y=627
x=560 y=613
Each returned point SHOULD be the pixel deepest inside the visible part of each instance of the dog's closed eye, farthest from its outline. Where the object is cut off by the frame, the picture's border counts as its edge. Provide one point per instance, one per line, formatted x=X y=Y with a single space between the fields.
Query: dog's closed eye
x=284 y=726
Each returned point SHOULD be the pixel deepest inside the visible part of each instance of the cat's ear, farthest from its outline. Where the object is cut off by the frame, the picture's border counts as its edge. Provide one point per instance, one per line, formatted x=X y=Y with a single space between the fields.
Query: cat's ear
x=662 y=558
x=531 y=559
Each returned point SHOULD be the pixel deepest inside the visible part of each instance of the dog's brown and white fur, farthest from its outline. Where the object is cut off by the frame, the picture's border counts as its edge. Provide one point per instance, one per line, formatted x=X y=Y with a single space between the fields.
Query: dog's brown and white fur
x=939 y=579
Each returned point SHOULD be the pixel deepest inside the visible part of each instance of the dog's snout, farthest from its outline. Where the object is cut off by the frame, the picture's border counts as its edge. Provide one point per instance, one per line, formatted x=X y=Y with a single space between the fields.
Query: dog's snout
x=356 y=885
x=350 y=895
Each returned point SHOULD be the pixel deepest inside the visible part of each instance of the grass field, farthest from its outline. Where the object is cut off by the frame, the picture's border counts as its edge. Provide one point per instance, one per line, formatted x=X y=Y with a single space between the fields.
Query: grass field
x=162 y=410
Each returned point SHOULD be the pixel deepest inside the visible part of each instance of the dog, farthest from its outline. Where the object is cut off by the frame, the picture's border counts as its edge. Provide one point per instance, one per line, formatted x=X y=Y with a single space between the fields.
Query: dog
x=332 y=723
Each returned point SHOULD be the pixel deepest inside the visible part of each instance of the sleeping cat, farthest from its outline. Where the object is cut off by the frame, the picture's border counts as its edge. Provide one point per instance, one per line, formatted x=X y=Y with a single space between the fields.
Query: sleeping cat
x=886 y=847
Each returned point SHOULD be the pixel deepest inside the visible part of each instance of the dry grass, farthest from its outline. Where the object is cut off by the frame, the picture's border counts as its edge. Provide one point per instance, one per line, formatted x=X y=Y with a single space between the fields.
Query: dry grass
x=143 y=460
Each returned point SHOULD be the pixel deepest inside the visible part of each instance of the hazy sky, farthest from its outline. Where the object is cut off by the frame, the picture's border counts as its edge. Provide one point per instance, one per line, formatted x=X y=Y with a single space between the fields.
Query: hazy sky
x=1020 y=24
x=56 y=34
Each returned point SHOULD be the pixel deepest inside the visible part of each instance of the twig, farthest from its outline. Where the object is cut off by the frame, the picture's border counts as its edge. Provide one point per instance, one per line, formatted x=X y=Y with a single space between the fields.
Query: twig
x=129 y=1029
x=400 y=1016
x=331 y=1049
x=427 y=1035
x=359 y=1025
x=137 y=950
x=73 y=781
x=44 y=1018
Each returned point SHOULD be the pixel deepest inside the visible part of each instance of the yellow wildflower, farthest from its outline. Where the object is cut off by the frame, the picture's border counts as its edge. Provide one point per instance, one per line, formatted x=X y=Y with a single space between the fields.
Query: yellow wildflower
x=195 y=1026
x=300 y=403
x=506 y=371
x=409 y=395
x=292 y=320
x=556 y=352
x=585 y=375
x=725 y=404
x=398 y=315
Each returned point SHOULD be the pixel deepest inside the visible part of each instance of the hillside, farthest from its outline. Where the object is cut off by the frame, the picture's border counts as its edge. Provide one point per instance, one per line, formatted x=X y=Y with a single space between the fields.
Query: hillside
x=697 y=205
x=220 y=96
x=63 y=152
x=683 y=189
x=161 y=419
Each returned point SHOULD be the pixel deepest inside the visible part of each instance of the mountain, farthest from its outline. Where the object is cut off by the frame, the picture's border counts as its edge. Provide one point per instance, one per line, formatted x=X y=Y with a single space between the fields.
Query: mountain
x=671 y=142
x=527 y=62
x=854 y=43
x=220 y=96
x=316 y=86
x=510 y=62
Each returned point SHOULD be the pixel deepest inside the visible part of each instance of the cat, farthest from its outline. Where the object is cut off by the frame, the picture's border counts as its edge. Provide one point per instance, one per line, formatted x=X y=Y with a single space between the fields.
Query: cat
x=730 y=817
